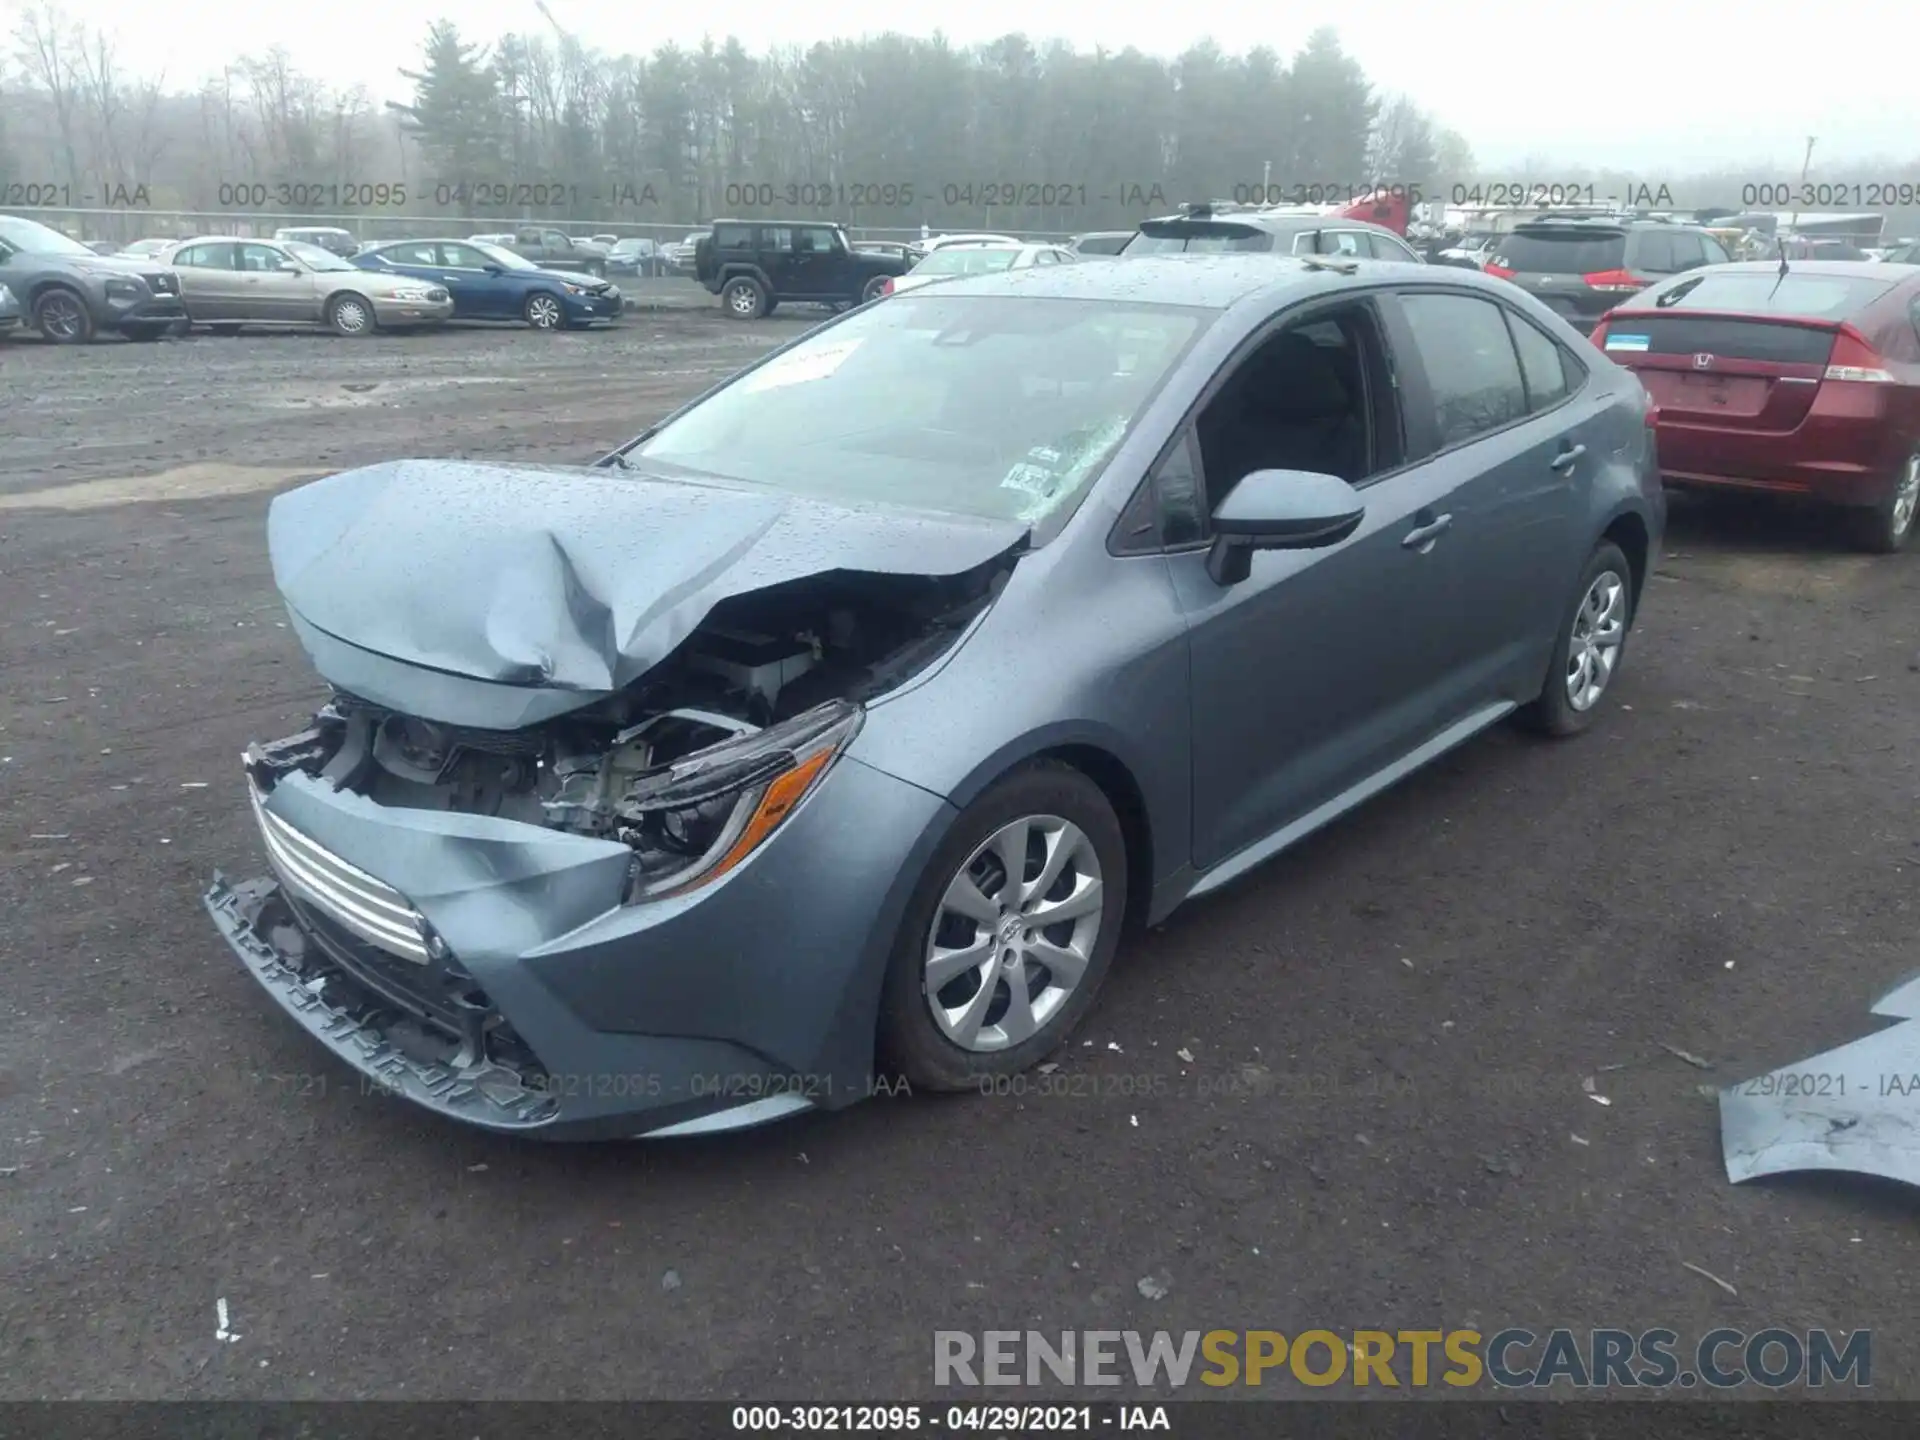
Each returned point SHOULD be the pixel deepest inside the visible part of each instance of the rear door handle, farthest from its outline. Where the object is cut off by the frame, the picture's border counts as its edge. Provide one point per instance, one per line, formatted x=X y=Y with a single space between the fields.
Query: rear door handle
x=1421 y=537
x=1565 y=459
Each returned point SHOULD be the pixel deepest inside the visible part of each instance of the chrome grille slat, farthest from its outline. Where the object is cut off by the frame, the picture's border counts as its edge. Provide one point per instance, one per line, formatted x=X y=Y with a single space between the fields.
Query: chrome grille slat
x=371 y=909
x=380 y=897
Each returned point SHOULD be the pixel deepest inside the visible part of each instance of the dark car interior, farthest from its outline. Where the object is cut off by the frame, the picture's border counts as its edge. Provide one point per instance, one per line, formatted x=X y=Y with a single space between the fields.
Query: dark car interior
x=1299 y=402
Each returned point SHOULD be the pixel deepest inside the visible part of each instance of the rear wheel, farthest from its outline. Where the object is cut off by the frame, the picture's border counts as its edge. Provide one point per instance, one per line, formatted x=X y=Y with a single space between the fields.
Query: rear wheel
x=745 y=298
x=1593 y=637
x=1887 y=527
x=62 y=317
x=1008 y=934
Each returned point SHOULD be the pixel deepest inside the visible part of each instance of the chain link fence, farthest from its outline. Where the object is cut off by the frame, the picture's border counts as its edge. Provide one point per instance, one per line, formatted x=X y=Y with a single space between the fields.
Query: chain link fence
x=123 y=226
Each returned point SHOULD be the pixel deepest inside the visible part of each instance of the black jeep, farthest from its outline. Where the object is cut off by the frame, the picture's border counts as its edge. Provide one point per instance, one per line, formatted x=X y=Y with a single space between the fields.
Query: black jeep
x=753 y=265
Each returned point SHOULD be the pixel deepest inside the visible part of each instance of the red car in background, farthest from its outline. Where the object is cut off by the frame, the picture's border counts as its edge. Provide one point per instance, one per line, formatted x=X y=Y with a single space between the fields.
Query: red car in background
x=1800 y=381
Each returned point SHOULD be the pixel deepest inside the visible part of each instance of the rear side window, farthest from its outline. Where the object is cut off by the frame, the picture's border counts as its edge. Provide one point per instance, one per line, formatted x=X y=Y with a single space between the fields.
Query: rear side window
x=1470 y=363
x=1716 y=252
x=1688 y=252
x=1653 y=254
x=1345 y=242
x=1549 y=376
x=1568 y=252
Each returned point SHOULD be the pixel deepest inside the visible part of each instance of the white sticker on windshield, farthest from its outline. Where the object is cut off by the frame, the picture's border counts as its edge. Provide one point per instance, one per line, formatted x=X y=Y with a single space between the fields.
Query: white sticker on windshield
x=1046 y=470
x=813 y=362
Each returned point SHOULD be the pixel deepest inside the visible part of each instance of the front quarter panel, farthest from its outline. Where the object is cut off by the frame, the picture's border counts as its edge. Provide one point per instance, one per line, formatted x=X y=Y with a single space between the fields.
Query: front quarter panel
x=1081 y=649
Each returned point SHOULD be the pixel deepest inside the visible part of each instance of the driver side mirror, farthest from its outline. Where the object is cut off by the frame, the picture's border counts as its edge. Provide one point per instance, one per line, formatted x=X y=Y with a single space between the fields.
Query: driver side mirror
x=1280 y=510
x=492 y=269
x=288 y=267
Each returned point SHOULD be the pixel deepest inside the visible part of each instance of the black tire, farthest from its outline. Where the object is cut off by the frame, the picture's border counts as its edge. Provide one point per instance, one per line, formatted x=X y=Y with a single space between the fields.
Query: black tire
x=874 y=288
x=351 y=314
x=543 y=311
x=1885 y=528
x=744 y=298
x=224 y=329
x=61 y=316
x=146 y=334
x=1553 y=712
x=910 y=1042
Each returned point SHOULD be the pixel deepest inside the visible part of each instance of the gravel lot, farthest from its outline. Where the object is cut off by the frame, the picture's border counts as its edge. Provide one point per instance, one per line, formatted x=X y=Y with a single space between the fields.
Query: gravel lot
x=1389 y=1027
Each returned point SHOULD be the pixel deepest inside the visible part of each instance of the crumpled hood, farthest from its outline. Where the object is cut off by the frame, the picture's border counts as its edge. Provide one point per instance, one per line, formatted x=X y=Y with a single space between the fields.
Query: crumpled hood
x=575 y=579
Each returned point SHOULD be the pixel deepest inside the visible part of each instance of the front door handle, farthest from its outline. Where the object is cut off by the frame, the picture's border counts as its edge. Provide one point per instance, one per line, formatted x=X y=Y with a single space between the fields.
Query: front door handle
x=1421 y=537
x=1564 y=461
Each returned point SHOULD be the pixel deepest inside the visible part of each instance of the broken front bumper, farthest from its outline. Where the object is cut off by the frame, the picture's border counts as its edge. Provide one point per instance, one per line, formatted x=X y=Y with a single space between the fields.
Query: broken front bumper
x=487 y=970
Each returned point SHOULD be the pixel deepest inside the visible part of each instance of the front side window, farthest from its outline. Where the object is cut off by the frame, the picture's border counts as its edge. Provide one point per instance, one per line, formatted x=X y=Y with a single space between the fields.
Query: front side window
x=814 y=239
x=994 y=406
x=261 y=259
x=414 y=253
x=733 y=237
x=1470 y=363
x=1345 y=242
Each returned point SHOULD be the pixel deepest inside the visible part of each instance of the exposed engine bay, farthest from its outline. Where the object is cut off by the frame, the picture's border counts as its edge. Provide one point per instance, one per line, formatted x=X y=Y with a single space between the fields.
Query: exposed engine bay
x=683 y=763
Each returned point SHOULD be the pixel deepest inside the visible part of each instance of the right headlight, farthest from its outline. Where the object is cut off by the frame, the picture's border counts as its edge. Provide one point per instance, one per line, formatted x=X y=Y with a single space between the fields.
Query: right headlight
x=693 y=820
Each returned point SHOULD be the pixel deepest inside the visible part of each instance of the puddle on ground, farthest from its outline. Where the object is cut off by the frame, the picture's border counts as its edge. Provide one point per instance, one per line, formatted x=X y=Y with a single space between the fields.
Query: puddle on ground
x=189 y=482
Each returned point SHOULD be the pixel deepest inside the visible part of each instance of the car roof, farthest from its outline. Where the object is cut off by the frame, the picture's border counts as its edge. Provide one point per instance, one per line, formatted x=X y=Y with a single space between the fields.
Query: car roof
x=1209 y=282
x=1603 y=224
x=1277 y=223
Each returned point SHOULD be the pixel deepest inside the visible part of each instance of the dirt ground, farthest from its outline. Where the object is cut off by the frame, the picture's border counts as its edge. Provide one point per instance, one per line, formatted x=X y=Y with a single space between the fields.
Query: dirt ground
x=1382 y=1124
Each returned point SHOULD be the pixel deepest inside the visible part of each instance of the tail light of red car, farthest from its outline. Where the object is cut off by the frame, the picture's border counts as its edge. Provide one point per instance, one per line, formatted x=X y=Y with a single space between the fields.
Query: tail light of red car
x=1854 y=359
x=1599 y=334
x=1493 y=269
x=1615 y=282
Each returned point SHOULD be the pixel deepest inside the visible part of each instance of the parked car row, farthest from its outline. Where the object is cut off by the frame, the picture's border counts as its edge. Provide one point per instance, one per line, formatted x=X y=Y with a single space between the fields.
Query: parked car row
x=70 y=293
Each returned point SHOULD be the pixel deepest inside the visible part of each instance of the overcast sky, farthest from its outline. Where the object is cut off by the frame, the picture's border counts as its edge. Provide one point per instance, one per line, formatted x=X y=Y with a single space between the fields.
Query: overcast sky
x=1653 y=85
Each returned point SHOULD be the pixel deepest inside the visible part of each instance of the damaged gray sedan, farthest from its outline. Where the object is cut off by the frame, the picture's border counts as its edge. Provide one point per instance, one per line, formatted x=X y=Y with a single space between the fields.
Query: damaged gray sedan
x=832 y=730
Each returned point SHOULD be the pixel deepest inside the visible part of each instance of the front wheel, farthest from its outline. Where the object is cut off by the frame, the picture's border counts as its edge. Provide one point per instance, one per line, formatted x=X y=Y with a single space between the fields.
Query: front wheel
x=351 y=315
x=1008 y=934
x=745 y=298
x=876 y=287
x=1886 y=527
x=62 y=317
x=1592 y=640
x=543 y=311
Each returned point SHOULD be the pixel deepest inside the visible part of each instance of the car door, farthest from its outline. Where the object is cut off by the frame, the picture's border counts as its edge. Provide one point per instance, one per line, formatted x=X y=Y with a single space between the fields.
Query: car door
x=270 y=293
x=210 y=283
x=1503 y=415
x=476 y=294
x=1323 y=669
x=819 y=267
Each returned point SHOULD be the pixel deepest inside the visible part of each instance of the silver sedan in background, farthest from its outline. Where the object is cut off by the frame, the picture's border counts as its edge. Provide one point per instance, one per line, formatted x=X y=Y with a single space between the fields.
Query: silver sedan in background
x=227 y=283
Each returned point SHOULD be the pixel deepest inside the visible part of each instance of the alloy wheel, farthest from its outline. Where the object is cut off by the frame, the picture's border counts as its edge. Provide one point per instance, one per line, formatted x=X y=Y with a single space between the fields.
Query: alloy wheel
x=1906 y=497
x=543 y=312
x=1599 y=630
x=60 y=317
x=1014 y=933
x=744 y=301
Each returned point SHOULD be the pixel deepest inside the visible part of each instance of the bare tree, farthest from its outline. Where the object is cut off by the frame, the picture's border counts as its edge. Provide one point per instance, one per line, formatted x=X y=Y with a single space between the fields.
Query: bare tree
x=47 y=45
